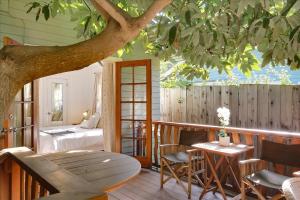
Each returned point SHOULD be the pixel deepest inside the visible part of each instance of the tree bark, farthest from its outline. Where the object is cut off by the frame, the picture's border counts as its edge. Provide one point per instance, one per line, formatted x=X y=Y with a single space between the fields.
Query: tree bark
x=22 y=64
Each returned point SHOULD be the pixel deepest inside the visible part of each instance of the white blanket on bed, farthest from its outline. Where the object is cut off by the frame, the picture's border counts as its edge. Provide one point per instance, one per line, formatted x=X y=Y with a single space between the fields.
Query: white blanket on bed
x=80 y=138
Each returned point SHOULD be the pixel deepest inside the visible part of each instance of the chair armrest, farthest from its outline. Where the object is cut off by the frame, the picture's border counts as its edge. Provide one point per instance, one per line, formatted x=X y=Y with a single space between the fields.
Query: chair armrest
x=250 y=166
x=193 y=150
x=296 y=174
x=168 y=145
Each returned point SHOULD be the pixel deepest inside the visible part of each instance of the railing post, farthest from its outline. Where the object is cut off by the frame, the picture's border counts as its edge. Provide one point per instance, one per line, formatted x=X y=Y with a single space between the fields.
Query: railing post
x=16 y=181
x=4 y=179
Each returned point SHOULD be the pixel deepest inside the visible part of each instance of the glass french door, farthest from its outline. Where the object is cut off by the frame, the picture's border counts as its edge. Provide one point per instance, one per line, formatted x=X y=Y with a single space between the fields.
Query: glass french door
x=133 y=109
x=22 y=117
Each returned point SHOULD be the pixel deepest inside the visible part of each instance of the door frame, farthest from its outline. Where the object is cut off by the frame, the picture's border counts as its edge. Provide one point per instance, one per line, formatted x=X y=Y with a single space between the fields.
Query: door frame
x=147 y=160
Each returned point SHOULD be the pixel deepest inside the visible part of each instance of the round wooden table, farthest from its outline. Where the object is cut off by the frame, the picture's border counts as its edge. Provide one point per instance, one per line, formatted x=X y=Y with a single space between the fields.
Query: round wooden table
x=291 y=188
x=104 y=170
x=78 y=174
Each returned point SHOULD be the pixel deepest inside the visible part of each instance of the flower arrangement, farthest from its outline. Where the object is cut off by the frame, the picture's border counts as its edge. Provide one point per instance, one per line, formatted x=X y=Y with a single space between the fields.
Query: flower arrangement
x=224 y=117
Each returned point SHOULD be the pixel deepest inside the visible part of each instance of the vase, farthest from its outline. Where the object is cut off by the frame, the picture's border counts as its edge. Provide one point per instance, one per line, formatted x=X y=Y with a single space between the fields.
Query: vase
x=224 y=141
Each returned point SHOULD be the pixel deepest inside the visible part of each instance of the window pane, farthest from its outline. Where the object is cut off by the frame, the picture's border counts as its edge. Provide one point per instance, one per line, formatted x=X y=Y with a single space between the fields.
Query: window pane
x=140 y=111
x=17 y=115
x=127 y=111
x=140 y=134
x=27 y=137
x=127 y=129
x=140 y=93
x=128 y=147
x=126 y=93
x=18 y=138
x=140 y=74
x=27 y=114
x=57 y=102
x=126 y=75
x=27 y=92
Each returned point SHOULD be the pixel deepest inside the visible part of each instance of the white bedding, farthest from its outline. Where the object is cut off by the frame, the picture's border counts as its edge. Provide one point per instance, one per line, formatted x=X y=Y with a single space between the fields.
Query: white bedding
x=80 y=139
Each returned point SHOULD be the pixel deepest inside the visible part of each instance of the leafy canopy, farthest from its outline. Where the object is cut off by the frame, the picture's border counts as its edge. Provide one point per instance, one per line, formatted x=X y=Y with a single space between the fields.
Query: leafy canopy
x=205 y=33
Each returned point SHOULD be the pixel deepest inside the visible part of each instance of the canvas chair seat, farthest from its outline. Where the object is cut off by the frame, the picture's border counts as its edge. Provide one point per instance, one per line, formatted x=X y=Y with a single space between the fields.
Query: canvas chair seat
x=180 y=157
x=268 y=179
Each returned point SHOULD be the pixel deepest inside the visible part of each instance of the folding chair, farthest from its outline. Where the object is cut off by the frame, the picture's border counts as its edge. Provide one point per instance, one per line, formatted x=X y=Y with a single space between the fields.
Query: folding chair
x=255 y=172
x=183 y=160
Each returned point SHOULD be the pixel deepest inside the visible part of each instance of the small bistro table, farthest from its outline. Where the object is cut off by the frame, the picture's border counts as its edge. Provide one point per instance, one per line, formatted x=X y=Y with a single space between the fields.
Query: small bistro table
x=225 y=153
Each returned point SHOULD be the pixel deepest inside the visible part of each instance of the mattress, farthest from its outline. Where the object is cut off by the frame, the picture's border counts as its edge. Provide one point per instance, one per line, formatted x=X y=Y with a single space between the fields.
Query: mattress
x=64 y=138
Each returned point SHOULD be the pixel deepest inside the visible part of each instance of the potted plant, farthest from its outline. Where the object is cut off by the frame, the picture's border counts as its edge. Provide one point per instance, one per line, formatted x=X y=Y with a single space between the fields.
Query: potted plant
x=224 y=116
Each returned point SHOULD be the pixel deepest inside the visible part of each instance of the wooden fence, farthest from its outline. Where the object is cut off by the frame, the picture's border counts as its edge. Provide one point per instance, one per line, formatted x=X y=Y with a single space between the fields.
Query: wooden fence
x=274 y=107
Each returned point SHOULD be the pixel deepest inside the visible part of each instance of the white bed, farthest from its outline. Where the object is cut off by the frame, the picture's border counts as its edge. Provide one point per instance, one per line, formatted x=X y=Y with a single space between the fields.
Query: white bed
x=64 y=138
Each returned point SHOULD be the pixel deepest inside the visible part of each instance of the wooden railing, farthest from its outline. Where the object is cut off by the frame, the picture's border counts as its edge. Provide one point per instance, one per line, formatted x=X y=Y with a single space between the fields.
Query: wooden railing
x=25 y=175
x=168 y=133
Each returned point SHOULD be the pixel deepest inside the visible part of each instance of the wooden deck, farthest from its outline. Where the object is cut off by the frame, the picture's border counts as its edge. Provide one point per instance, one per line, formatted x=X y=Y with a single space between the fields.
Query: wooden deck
x=146 y=187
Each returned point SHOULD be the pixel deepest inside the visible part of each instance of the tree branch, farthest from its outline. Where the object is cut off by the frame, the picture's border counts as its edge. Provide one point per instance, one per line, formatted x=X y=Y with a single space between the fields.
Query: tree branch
x=22 y=64
x=102 y=12
x=288 y=7
x=115 y=12
x=155 y=7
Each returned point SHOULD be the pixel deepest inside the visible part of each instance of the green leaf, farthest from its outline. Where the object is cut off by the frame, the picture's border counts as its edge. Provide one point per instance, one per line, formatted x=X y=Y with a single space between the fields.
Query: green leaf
x=188 y=17
x=293 y=32
x=172 y=34
x=266 y=22
x=87 y=21
x=33 y=5
x=267 y=58
x=38 y=14
x=46 y=12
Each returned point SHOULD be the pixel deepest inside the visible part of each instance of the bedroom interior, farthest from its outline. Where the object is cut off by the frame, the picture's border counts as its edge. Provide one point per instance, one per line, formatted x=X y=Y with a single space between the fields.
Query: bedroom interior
x=70 y=110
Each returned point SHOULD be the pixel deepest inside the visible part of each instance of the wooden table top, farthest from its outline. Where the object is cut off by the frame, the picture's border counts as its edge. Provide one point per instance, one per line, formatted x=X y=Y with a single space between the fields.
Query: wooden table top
x=291 y=188
x=231 y=151
x=80 y=174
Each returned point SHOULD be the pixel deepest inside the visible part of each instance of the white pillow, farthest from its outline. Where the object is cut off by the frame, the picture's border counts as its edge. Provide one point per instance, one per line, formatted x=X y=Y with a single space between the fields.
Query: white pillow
x=93 y=121
x=84 y=124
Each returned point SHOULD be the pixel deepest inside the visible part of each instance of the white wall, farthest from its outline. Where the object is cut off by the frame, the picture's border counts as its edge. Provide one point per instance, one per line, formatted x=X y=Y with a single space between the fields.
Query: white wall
x=79 y=93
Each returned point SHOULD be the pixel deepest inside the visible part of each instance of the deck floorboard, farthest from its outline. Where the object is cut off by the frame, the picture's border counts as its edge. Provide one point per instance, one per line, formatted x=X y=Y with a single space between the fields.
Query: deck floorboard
x=146 y=187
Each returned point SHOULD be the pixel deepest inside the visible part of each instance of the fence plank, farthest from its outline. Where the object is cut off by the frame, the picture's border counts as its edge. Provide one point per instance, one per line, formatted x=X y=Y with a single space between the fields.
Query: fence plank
x=286 y=95
x=210 y=105
x=243 y=106
x=274 y=107
x=262 y=106
x=296 y=108
x=203 y=105
x=252 y=106
x=217 y=103
x=233 y=105
x=190 y=100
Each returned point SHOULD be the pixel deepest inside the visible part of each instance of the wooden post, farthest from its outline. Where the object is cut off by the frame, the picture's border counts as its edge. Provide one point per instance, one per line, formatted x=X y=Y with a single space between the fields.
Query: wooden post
x=8 y=135
x=4 y=180
x=16 y=181
x=108 y=106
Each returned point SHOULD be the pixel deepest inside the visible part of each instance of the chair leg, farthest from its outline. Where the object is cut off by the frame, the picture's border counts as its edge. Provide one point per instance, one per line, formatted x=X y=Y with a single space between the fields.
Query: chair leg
x=189 y=180
x=161 y=173
x=243 y=193
x=260 y=196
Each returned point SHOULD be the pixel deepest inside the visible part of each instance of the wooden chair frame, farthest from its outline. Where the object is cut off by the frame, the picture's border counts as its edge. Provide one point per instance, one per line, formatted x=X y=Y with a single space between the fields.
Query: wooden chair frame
x=194 y=166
